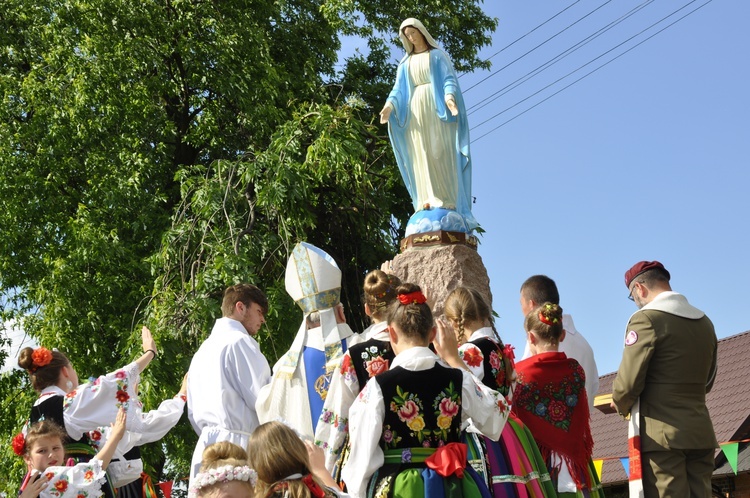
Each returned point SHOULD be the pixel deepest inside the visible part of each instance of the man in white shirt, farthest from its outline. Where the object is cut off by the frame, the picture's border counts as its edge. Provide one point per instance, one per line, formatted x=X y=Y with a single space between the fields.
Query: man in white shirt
x=539 y=289
x=227 y=372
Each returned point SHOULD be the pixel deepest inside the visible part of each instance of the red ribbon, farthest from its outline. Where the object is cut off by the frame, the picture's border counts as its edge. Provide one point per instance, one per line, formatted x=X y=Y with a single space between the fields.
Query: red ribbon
x=508 y=352
x=449 y=459
x=415 y=297
x=313 y=486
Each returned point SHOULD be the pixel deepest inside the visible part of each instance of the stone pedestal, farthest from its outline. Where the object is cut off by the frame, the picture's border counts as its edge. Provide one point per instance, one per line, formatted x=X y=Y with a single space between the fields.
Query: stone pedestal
x=438 y=269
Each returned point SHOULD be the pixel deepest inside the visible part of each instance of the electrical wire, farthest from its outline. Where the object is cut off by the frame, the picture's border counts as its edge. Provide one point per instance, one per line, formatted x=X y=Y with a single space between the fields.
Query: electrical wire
x=592 y=71
x=527 y=53
x=539 y=69
x=527 y=34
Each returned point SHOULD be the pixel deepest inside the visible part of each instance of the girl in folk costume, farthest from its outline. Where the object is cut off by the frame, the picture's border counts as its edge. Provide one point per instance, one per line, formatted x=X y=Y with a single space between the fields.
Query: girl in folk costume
x=288 y=467
x=79 y=409
x=363 y=361
x=550 y=398
x=512 y=465
x=126 y=466
x=44 y=453
x=406 y=423
x=224 y=473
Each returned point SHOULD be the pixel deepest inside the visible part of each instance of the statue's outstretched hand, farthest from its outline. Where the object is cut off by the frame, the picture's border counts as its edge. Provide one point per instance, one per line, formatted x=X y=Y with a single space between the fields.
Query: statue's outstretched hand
x=385 y=114
x=451 y=104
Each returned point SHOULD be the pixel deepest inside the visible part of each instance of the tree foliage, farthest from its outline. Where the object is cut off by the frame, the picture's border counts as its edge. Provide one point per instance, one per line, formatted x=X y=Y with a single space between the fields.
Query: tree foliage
x=151 y=153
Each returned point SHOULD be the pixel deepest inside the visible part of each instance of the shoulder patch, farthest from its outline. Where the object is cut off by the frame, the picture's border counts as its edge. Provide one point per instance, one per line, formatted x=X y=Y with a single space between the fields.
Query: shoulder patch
x=631 y=338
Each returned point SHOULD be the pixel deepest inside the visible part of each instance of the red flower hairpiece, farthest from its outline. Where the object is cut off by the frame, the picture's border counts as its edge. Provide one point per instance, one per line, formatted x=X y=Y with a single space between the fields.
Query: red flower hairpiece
x=41 y=357
x=415 y=297
x=549 y=321
x=19 y=444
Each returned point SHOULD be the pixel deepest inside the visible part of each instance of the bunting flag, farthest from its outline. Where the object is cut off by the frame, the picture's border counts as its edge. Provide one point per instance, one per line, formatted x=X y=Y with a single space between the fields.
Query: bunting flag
x=626 y=465
x=598 y=466
x=166 y=488
x=730 y=451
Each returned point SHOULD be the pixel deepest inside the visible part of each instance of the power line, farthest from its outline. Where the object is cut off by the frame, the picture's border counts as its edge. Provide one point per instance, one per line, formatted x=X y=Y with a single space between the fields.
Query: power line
x=527 y=53
x=592 y=71
x=527 y=34
x=499 y=93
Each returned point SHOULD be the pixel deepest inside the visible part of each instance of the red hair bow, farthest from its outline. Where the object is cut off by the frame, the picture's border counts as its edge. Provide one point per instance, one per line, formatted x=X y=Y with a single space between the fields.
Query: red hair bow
x=415 y=297
x=313 y=486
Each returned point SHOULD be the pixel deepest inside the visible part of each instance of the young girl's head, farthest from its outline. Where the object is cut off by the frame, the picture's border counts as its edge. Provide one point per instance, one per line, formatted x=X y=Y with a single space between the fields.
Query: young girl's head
x=281 y=460
x=465 y=306
x=47 y=368
x=546 y=324
x=380 y=291
x=224 y=473
x=410 y=316
x=44 y=446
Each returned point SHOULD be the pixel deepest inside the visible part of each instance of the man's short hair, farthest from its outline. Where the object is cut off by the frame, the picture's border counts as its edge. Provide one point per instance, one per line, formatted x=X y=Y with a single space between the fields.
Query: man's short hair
x=245 y=294
x=652 y=276
x=540 y=289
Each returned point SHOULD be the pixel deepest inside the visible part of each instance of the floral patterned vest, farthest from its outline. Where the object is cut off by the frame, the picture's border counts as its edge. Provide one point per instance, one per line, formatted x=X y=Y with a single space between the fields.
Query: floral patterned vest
x=422 y=408
x=371 y=358
x=494 y=365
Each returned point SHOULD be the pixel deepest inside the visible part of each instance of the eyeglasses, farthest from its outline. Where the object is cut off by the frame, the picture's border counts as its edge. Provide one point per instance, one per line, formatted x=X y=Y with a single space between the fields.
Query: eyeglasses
x=630 y=296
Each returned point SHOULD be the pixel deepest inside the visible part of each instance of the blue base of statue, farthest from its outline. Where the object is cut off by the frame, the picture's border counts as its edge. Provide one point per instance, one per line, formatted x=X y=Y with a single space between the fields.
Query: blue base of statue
x=434 y=219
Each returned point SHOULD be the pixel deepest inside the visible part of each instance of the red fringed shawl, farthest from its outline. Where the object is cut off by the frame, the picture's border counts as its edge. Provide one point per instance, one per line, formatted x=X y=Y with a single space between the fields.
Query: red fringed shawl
x=550 y=398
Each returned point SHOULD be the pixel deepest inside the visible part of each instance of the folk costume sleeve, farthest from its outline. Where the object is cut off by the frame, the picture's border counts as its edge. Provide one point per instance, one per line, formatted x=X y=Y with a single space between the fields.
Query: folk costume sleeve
x=487 y=409
x=473 y=358
x=366 y=426
x=333 y=425
x=83 y=479
x=96 y=403
x=640 y=342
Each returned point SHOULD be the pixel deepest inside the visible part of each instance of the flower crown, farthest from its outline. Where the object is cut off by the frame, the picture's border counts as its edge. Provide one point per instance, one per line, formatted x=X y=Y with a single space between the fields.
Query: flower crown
x=415 y=297
x=40 y=358
x=222 y=474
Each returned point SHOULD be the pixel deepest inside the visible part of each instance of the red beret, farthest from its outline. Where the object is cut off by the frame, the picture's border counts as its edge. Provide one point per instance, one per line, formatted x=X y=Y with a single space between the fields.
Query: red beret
x=641 y=267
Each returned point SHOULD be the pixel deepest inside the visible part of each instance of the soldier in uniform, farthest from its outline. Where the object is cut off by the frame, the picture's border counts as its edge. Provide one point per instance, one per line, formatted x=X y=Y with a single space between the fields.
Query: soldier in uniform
x=668 y=366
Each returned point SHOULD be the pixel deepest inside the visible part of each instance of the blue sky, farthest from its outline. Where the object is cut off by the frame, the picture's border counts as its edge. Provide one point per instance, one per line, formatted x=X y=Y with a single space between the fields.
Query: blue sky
x=646 y=158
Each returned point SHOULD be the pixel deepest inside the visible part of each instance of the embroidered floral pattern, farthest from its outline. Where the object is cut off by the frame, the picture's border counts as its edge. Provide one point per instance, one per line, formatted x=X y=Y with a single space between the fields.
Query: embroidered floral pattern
x=59 y=487
x=497 y=368
x=335 y=420
x=373 y=361
x=408 y=407
x=446 y=407
x=473 y=356
x=553 y=405
x=347 y=369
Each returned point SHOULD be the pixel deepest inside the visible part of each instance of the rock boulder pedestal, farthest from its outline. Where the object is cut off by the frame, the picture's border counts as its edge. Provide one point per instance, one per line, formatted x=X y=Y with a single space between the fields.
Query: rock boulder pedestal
x=438 y=269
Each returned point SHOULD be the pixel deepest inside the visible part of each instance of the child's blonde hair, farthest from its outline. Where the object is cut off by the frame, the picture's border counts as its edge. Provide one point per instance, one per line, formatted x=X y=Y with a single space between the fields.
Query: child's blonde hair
x=277 y=453
x=219 y=461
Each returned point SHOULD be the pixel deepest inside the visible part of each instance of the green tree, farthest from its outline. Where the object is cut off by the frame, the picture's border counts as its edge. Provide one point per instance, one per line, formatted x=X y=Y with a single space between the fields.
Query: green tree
x=153 y=152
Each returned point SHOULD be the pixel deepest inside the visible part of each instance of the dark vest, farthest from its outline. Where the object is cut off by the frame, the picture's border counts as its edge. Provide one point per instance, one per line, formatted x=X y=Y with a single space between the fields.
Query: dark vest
x=422 y=408
x=494 y=366
x=369 y=357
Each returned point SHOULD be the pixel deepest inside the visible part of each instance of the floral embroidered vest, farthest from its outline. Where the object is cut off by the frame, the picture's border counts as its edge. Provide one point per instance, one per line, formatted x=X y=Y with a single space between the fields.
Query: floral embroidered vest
x=494 y=365
x=371 y=358
x=422 y=408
